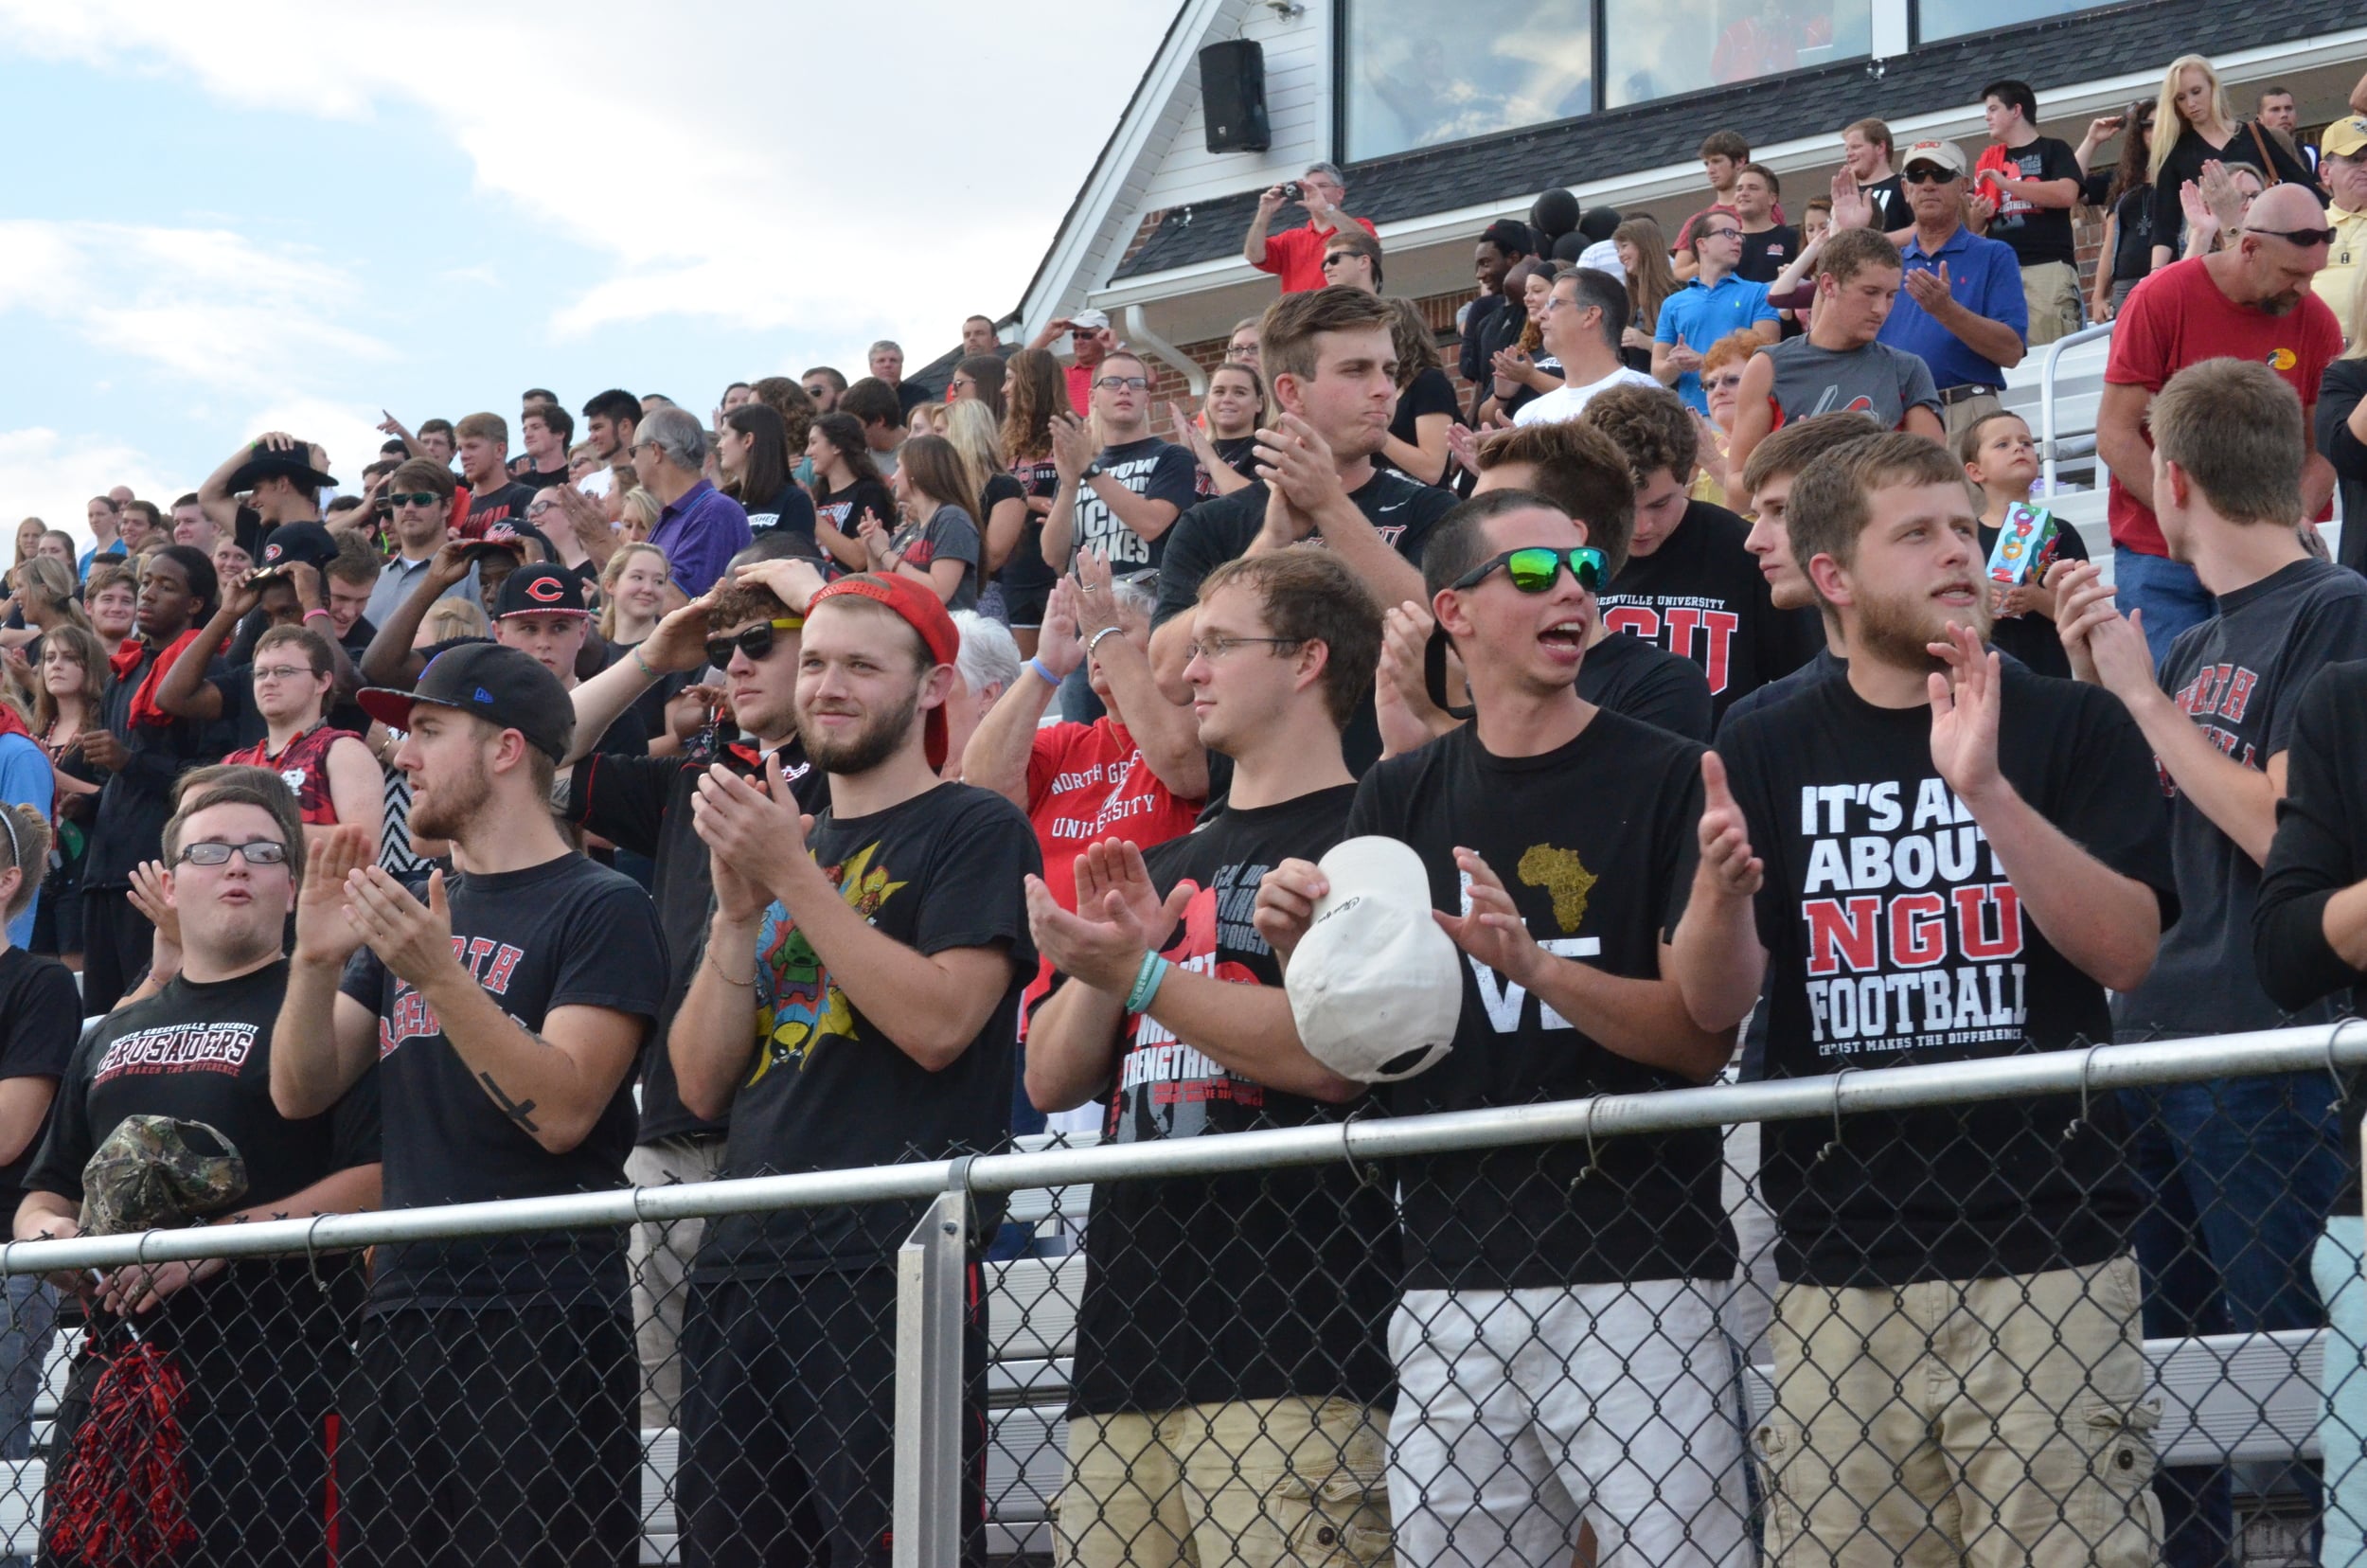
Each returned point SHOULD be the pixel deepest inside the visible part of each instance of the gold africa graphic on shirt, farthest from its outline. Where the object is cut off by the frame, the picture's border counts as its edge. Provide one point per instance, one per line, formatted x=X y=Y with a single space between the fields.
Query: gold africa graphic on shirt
x=1561 y=873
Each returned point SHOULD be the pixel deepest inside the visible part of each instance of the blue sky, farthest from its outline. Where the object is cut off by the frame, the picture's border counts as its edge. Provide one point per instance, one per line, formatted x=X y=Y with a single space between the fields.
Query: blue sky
x=229 y=218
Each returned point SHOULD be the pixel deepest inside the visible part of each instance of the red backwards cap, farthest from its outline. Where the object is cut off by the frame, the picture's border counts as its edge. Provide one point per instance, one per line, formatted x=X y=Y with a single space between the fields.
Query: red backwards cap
x=919 y=608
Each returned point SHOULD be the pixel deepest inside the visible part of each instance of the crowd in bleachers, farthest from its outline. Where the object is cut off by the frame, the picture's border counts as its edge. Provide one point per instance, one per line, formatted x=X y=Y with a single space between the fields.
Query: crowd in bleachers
x=857 y=774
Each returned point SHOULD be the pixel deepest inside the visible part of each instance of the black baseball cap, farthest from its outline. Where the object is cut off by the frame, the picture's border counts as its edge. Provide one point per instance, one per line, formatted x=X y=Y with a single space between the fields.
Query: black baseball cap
x=498 y=685
x=541 y=590
x=311 y=543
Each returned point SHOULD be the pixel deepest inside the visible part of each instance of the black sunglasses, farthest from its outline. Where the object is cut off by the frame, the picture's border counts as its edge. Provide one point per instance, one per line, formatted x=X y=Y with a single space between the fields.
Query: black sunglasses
x=755 y=641
x=1926 y=174
x=426 y=498
x=1535 y=568
x=2304 y=238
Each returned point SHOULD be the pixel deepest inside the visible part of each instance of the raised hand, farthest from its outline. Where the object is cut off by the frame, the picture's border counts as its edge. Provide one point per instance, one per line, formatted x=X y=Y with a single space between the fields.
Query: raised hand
x=1491 y=929
x=325 y=932
x=412 y=938
x=1409 y=720
x=1851 y=208
x=1056 y=642
x=678 y=642
x=1965 y=706
x=1726 y=856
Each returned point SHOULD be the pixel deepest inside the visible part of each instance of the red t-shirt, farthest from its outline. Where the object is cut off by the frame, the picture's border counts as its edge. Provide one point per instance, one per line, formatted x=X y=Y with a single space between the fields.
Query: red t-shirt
x=1088 y=782
x=1297 y=255
x=2178 y=317
x=1080 y=388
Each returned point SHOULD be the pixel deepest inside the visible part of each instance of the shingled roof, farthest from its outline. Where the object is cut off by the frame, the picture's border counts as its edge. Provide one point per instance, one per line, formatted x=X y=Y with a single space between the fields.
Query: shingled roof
x=2058 y=52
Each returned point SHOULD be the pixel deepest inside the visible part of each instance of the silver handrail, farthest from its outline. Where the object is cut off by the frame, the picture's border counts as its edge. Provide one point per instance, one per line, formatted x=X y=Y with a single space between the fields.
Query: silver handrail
x=2047 y=362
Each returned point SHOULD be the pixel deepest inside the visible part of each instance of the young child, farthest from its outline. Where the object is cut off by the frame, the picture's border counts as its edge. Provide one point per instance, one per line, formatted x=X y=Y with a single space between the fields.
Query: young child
x=2000 y=460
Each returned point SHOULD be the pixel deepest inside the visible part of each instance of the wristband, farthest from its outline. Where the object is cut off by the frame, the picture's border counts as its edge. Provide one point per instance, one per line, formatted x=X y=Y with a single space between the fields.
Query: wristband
x=1147 y=981
x=1094 y=641
x=1042 y=674
x=310 y=613
x=646 y=673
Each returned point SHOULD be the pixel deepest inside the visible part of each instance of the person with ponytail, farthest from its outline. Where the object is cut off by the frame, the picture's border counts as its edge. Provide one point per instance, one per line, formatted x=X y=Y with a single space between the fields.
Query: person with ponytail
x=41 y=1016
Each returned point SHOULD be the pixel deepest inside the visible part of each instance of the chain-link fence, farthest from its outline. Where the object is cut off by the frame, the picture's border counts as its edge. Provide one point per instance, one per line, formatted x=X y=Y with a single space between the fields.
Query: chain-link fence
x=2084 y=1307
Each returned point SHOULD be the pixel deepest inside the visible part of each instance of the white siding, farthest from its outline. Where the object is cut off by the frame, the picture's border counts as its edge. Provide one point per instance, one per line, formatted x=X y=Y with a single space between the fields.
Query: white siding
x=1298 y=108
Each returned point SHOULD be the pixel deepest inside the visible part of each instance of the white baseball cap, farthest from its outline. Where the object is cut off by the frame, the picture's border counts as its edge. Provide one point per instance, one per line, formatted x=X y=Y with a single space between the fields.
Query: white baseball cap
x=1376 y=985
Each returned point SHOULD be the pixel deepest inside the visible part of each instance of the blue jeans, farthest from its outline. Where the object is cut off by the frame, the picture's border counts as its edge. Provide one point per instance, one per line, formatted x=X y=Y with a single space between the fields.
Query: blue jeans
x=2171 y=596
x=2237 y=1176
x=2343 y=1424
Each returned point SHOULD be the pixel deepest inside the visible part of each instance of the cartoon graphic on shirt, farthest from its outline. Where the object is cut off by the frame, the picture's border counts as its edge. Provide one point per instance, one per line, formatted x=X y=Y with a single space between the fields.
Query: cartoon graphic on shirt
x=798 y=1002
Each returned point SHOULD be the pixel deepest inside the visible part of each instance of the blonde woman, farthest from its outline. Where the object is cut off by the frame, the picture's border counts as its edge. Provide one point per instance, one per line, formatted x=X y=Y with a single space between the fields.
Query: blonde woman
x=632 y=594
x=448 y=618
x=1002 y=499
x=638 y=516
x=2193 y=126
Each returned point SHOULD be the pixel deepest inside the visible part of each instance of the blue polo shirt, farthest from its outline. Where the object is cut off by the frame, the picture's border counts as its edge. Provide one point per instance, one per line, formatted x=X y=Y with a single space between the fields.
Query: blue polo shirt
x=1984 y=277
x=1702 y=314
x=700 y=534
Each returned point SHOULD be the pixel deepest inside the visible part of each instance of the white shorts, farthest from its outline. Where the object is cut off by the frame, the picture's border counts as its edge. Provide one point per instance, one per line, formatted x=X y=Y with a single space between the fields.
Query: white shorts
x=1520 y=1413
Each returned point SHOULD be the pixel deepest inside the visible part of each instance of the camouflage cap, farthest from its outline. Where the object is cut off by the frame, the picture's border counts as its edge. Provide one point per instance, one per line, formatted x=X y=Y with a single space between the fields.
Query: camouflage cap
x=157 y=1172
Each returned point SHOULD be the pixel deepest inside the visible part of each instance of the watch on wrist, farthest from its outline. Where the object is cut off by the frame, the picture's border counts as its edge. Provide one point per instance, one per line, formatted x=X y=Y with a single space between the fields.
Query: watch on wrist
x=1092 y=470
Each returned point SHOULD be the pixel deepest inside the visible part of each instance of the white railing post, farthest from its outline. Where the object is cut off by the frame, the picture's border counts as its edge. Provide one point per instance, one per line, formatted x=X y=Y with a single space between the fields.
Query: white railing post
x=929 y=1312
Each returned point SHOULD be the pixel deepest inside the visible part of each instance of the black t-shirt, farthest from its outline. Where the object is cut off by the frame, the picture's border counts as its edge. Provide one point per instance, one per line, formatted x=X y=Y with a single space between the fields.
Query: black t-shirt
x=506 y=505
x=2240 y=676
x=628 y=736
x=1894 y=937
x=791 y=509
x=1239 y=453
x=1765 y=255
x=1027 y=568
x=647 y=711
x=2031 y=637
x=1430 y=392
x=1889 y=201
x=1151 y=468
x=1703 y=595
x=1594 y=840
x=825 y=1089
x=137 y=800
x=1249 y=1285
x=999 y=489
x=41 y=1017
x=843 y=510
x=1825 y=664
x=2190 y=153
x=202 y=1052
x=642 y=804
x=2037 y=234
x=1646 y=682
x=568 y=932
x=1214 y=532
x=234 y=686
x=2132 y=235
x=539 y=479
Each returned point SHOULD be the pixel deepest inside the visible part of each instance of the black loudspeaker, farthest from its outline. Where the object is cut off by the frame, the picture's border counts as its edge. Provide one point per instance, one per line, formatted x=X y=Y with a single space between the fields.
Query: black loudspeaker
x=1233 y=96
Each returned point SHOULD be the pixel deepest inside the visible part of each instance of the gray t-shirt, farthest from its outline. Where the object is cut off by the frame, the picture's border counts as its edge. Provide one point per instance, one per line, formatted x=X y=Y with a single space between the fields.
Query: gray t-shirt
x=1877 y=380
x=2238 y=675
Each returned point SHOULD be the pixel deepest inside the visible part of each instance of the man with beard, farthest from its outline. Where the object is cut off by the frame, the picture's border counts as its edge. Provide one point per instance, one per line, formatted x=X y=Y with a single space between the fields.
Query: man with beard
x=503 y=1008
x=2252 y=301
x=856 y=1007
x=749 y=630
x=262 y=1342
x=1934 y=857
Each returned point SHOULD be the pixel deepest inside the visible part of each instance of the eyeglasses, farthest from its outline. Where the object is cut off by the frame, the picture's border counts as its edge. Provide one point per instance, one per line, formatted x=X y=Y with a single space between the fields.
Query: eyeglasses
x=1124 y=383
x=215 y=853
x=426 y=498
x=2304 y=238
x=755 y=641
x=1722 y=234
x=1926 y=174
x=537 y=509
x=1214 y=649
x=1537 y=568
x=285 y=672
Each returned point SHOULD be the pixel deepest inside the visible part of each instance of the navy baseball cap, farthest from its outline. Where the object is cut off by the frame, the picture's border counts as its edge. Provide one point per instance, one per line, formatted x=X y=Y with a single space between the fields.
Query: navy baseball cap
x=498 y=685
x=309 y=543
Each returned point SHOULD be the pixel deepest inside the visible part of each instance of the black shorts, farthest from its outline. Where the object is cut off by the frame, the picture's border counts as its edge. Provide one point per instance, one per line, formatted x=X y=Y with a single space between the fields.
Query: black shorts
x=1024 y=603
x=492 y=1436
x=260 y=1350
x=788 y=1423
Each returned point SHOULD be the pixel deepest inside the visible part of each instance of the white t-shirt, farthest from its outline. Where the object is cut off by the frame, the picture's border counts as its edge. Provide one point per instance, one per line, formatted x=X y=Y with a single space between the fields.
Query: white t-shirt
x=598 y=481
x=1603 y=256
x=1570 y=401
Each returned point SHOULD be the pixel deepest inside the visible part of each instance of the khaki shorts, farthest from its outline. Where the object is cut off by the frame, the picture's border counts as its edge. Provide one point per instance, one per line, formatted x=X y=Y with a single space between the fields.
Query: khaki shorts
x=1257 y=1483
x=1983 y=1422
x=2051 y=290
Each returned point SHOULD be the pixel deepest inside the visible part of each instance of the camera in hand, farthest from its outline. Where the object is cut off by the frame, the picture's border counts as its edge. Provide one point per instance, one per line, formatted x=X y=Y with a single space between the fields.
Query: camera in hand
x=1292 y=191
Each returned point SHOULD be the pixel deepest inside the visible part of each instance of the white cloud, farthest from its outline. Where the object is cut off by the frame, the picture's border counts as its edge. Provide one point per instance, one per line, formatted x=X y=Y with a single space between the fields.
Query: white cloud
x=204 y=304
x=839 y=169
x=51 y=476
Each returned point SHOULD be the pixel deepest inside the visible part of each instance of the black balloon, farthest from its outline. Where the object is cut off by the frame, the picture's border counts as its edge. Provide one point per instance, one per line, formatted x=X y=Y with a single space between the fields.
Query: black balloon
x=1554 y=214
x=1599 y=222
x=1571 y=246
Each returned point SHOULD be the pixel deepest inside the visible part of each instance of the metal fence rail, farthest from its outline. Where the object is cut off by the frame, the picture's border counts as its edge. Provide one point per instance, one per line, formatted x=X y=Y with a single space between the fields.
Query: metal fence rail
x=1001 y=1439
